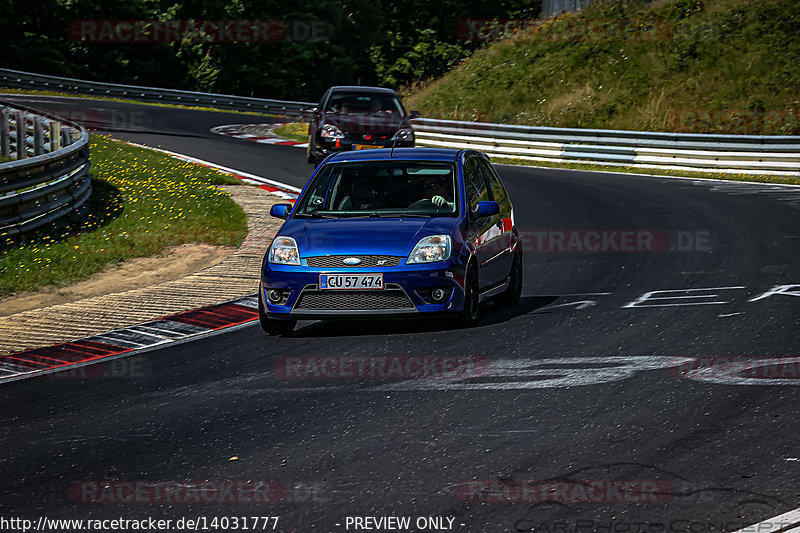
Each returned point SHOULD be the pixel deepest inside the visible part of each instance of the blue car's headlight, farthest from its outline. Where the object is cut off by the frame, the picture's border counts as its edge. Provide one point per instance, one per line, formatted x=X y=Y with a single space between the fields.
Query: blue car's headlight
x=431 y=249
x=283 y=251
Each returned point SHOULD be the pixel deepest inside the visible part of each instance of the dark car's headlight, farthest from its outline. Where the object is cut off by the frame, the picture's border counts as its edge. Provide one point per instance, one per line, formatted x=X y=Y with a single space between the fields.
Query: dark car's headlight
x=405 y=134
x=329 y=131
x=431 y=249
x=283 y=251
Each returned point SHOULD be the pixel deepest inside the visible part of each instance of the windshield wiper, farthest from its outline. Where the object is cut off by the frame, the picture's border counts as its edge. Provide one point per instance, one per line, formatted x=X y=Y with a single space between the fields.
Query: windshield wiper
x=366 y=214
x=402 y=215
x=317 y=215
x=384 y=214
x=369 y=214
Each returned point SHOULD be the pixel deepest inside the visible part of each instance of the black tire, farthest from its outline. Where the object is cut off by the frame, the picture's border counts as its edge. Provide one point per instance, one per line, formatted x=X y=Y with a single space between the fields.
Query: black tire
x=310 y=157
x=273 y=326
x=513 y=294
x=472 y=296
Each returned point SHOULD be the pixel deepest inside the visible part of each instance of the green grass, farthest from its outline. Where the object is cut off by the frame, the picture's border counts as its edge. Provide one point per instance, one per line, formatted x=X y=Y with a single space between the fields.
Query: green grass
x=722 y=66
x=142 y=202
x=5 y=159
x=760 y=178
x=297 y=131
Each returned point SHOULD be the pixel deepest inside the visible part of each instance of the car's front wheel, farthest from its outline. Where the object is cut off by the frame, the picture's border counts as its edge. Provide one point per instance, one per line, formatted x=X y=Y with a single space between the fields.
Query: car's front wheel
x=310 y=156
x=273 y=326
x=469 y=314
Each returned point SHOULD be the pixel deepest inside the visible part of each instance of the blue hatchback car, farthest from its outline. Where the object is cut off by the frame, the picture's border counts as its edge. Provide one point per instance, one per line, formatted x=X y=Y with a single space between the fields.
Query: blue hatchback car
x=413 y=232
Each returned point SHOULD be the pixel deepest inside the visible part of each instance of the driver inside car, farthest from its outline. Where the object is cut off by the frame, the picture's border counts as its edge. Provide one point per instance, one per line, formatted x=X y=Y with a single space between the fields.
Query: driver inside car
x=437 y=191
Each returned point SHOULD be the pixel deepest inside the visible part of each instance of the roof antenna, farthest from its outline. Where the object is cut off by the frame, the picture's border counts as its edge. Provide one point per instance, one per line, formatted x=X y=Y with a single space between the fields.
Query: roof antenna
x=394 y=143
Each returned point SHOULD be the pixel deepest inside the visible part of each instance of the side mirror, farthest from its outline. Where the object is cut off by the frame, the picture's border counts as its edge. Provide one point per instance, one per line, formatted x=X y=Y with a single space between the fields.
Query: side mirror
x=414 y=114
x=487 y=209
x=280 y=210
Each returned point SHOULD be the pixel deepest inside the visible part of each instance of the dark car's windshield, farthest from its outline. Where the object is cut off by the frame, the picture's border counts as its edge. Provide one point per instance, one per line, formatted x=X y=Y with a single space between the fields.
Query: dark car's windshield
x=381 y=188
x=365 y=104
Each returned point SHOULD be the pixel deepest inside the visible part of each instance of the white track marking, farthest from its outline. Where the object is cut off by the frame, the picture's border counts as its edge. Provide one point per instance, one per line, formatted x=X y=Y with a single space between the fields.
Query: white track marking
x=520 y=374
x=232 y=130
x=581 y=304
x=257 y=179
x=776 y=524
x=648 y=297
x=788 y=290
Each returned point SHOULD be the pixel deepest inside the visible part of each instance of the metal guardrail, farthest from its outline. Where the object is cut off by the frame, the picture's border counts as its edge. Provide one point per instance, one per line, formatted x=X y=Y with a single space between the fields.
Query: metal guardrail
x=745 y=154
x=16 y=79
x=49 y=178
x=740 y=154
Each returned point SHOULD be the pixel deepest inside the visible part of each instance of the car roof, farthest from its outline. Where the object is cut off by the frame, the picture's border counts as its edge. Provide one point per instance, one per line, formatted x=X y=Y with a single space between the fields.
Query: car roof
x=408 y=154
x=362 y=89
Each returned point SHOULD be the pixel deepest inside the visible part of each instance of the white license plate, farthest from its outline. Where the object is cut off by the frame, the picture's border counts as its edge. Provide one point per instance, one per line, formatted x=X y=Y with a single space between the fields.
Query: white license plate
x=351 y=281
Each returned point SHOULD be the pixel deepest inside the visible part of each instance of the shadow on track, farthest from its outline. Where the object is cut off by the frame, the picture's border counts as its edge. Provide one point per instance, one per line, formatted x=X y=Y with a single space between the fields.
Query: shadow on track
x=490 y=315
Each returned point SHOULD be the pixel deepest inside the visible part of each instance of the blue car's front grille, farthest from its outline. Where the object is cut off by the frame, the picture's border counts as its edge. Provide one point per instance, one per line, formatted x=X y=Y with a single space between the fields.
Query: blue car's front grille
x=360 y=300
x=337 y=261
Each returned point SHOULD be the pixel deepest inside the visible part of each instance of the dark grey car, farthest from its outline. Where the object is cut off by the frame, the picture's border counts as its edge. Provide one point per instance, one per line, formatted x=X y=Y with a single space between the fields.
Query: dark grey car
x=358 y=118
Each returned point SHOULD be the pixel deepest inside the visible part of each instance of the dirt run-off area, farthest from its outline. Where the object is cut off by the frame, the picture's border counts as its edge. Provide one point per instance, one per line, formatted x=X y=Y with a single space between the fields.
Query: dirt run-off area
x=173 y=263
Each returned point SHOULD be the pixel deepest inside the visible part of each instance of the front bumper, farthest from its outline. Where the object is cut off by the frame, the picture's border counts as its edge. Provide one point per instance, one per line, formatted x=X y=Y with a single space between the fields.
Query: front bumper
x=407 y=291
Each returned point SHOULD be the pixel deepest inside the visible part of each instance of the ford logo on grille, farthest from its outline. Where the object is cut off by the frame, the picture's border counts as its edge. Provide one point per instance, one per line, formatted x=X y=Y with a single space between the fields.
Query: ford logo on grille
x=351 y=261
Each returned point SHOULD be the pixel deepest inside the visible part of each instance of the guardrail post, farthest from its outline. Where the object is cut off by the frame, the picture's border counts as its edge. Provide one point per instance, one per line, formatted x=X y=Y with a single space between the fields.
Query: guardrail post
x=48 y=186
x=5 y=141
x=22 y=135
x=55 y=135
x=38 y=137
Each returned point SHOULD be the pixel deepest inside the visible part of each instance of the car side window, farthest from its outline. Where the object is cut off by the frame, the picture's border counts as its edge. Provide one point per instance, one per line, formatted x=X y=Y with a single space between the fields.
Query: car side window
x=498 y=192
x=476 y=188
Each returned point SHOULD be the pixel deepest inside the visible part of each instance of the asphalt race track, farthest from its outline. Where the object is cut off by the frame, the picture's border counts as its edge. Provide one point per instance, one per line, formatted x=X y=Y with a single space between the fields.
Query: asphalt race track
x=688 y=397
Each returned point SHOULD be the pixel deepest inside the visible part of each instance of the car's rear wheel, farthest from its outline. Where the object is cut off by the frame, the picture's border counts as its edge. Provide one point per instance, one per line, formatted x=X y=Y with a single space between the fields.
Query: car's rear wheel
x=469 y=314
x=513 y=293
x=273 y=326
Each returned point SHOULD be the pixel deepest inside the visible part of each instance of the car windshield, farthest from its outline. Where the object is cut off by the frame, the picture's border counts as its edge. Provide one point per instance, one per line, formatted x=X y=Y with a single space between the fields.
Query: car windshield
x=364 y=104
x=381 y=189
